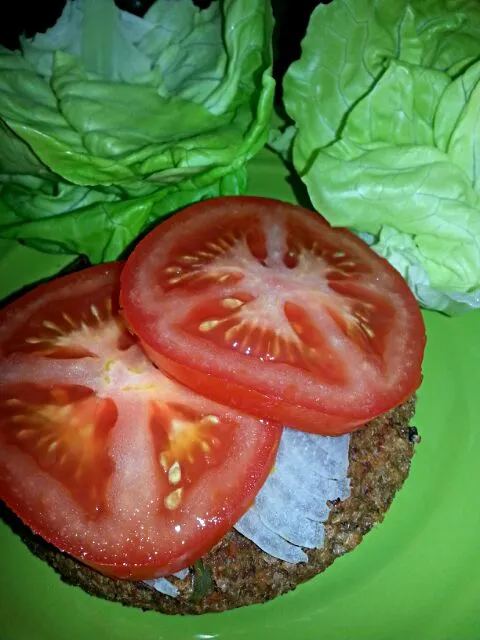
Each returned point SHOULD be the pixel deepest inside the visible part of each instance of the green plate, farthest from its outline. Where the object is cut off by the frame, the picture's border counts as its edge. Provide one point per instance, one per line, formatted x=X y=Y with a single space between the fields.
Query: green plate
x=417 y=576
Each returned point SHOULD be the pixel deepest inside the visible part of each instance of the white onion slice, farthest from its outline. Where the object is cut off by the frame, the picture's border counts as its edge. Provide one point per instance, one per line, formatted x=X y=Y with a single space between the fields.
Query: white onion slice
x=163 y=585
x=291 y=507
x=252 y=527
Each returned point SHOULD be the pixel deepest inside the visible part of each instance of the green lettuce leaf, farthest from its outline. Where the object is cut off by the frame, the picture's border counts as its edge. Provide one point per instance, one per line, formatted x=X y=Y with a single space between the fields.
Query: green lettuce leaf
x=386 y=105
x=23 y=266
x=109 y=121
x=401 y=251
x=104 y=230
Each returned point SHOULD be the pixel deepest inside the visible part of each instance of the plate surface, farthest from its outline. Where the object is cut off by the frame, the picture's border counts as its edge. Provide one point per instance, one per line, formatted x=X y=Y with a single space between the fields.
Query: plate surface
x=416 y=576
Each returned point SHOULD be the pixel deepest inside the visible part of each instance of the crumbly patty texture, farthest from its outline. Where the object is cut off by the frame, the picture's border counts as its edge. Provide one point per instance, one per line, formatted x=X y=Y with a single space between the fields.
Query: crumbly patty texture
x=238 y=573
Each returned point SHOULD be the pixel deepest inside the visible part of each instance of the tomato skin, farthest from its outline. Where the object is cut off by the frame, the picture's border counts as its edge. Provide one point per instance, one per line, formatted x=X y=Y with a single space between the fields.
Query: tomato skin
x=196 y=279
x=103 y=455
x=257 y=403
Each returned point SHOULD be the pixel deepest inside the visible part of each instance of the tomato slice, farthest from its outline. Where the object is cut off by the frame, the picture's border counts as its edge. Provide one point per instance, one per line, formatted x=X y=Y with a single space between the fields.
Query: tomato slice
x=101 y=453
x=262 y=305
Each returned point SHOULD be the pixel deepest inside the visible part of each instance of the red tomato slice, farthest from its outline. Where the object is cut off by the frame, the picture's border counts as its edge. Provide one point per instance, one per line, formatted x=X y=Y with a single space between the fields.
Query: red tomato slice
x=262 y=305
x=101 y=453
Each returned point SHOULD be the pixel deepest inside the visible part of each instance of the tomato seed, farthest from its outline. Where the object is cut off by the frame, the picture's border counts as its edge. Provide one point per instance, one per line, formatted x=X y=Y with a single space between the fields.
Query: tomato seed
x=173 y=499
x=175 y=473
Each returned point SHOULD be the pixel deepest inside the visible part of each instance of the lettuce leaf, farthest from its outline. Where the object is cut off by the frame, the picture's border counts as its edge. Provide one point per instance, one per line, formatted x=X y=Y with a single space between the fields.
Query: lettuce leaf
x=386 y=105
x=401 y=251
x=23 y=266
x=104 y=230
x=109 y=122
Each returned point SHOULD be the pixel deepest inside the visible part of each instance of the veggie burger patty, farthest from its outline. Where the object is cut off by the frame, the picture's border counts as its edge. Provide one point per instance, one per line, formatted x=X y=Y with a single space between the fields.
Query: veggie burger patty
x=160 y=417
x=236 y=572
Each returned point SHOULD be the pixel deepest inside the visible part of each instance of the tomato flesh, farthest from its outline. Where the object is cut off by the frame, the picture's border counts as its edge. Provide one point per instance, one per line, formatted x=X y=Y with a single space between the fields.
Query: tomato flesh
x=56 y=426
x=264 y=306
x=101 y=453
